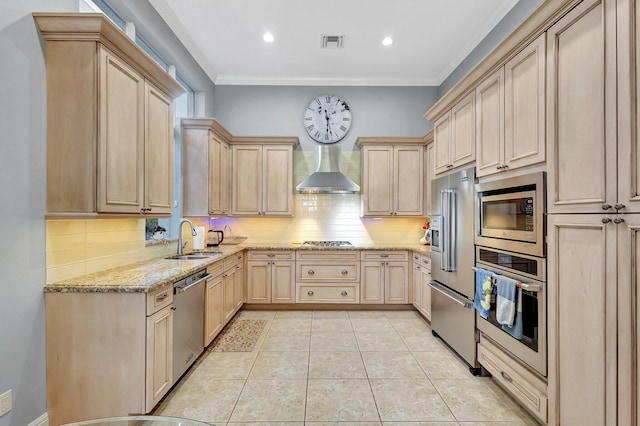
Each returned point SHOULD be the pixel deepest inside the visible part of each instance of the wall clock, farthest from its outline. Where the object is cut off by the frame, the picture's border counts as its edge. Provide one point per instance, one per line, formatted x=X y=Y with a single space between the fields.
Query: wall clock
x=327 y=119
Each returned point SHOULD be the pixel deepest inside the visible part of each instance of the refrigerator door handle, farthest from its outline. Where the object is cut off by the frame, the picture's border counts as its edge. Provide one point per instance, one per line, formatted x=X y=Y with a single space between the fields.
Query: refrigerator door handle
x=465 y=303
x=444 y=230
x=448 y=201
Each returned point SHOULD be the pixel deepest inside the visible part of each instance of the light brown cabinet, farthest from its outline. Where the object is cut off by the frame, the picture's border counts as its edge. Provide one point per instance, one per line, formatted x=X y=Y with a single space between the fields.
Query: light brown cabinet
x=110 y=121
x=128 y=335
x=223 y=294
x=510 y=113
x=327 y=276
x=262 y=176
x=271 y=277
x=421 y=277
x=206 y=167
x=213 y=307
x=384 y=277
x=392 y=176
x=454 y=136
x=430 y=170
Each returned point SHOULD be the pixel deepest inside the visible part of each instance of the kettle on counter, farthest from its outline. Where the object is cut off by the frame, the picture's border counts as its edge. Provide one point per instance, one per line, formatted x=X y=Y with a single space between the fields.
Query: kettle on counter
x=214 y=238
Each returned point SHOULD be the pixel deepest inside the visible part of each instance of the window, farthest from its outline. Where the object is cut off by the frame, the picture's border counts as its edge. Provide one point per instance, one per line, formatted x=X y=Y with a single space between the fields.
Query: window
x=186 y=103
x=99 y=6
x=143 y=44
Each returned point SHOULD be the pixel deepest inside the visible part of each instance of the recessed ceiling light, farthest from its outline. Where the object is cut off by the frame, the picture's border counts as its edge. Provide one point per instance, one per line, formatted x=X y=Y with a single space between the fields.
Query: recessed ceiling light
x=268 y=37
x=387 y=41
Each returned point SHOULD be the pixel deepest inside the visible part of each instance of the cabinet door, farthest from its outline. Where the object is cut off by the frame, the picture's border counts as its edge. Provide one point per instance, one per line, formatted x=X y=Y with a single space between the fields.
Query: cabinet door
x=425 y=302
x=396 y=282
x=377 y=180
x=259 y=281
x=431 y=175
x=283 y=288
x=524 y=110
x=216 y=174
x=416 y=280
x=372 y=282
x=490 y=124
x=582 y=297
x=246 y=187
x=238 y=287
x=225 y=161
x=442 y=144
x=195 y=178
x=121 y=137
x=628 y=108
x=158 y=151
x=277 y=180
x=463 y=131
x=581 y=109
x=228 y=289
x=159 y=355
x=408 y=179
x=213 y=297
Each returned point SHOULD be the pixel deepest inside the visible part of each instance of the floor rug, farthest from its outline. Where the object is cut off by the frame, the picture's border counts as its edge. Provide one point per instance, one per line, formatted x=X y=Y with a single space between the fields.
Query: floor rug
x=238 y=336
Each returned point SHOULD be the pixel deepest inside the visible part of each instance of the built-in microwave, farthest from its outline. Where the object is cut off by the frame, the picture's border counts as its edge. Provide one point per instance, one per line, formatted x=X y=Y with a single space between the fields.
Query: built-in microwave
x=510 y=214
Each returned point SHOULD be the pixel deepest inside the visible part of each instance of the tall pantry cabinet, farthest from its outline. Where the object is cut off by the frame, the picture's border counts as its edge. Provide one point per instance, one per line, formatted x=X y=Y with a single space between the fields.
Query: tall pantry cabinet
x=593 y=225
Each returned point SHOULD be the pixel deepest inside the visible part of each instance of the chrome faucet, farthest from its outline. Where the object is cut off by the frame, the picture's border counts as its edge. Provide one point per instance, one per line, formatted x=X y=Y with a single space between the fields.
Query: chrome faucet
x=193 y=232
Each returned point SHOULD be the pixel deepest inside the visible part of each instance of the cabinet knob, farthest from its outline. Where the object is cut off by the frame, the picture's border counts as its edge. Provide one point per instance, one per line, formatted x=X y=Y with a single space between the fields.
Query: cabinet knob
x=618 y=220
x=345 y=272
x=499 y=167
x=606 y=206
x=310 y=293
x=505 y=166
x=343 y=292
x=310 y=272
x=619 y=206
x=606 y=220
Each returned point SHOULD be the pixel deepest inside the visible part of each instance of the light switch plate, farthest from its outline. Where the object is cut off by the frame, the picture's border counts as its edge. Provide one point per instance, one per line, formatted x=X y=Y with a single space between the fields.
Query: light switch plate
x=5 y=402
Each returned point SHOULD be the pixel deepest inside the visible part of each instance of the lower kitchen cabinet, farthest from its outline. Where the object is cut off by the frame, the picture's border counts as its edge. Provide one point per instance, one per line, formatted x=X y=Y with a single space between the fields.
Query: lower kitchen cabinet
x=385 y=277
x=421 y=279
x=327 y=276
x=271 y=277
x=223 y=294
x=101 y=342
x=213 y=308
x=228 y=285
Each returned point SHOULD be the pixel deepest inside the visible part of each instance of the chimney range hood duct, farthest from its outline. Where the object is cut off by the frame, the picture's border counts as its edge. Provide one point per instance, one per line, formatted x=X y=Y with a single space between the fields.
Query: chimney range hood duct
x=328 y=179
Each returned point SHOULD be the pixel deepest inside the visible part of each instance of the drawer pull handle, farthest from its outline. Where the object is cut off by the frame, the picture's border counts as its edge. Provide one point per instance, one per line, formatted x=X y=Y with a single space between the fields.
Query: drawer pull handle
x=506 y=377
x=345 y=272
x=343 y=292
x=271 y=255
x=310 y=272
x=162 y=297
x=310 y=293
x=384 y=255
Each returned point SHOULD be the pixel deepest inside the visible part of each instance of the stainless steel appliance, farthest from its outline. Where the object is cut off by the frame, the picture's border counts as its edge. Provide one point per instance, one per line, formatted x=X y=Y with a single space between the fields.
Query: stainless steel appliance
x=188 y=322
x=452 y=259
x=530 y=272
x=327 y=244
x=510 y=214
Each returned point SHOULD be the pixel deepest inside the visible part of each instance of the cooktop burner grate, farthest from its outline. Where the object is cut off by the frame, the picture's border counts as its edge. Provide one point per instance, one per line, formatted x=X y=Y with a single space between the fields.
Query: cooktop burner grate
x=327 y=243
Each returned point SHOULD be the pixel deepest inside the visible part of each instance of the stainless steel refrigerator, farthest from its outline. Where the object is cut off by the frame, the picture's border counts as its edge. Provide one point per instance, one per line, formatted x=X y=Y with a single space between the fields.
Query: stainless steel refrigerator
x=452 y=260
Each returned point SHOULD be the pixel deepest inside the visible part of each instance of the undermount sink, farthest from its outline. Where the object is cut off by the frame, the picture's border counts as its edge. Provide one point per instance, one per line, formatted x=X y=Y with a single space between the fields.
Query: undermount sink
x=196 y=256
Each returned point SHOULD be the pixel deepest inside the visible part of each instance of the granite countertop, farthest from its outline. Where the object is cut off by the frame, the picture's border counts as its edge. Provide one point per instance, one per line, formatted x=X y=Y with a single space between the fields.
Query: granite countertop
x=147 y=276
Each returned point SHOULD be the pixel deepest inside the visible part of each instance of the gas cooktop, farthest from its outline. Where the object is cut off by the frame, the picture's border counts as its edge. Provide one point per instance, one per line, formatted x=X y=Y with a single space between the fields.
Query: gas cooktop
x=327 y=244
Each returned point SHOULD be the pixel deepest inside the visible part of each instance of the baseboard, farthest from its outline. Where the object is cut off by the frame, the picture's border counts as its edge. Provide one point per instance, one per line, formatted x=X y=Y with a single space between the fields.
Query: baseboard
x=43 y=420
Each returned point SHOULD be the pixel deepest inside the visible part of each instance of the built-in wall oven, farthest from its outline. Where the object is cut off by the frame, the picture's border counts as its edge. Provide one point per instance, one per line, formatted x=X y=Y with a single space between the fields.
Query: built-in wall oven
x=510 y=214
x=530 y=273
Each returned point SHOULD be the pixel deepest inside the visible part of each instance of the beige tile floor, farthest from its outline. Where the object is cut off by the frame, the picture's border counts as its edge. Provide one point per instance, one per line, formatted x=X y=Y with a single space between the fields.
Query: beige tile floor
x=347 y=367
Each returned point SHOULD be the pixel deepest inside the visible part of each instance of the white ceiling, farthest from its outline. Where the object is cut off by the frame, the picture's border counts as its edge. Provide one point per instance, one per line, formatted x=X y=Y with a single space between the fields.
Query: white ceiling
x=430 y=39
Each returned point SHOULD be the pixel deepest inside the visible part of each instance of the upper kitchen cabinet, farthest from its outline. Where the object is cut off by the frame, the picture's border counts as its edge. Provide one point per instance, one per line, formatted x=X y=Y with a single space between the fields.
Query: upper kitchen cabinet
x=206 y=159
x=430 y=170
x=262 y=176
x=109 y=121
x=454 y=136
x=510 y=113
x=392 y=176
x=582 y=114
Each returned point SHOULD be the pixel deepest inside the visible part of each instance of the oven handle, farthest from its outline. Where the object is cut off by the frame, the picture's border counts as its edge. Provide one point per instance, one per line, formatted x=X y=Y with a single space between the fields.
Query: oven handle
x=459 y=300
x=534 y=288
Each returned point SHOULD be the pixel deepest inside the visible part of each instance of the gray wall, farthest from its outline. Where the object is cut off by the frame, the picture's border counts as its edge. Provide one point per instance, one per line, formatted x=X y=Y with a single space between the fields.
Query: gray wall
x=511 y=20
x=23 y=177
x=278 y=110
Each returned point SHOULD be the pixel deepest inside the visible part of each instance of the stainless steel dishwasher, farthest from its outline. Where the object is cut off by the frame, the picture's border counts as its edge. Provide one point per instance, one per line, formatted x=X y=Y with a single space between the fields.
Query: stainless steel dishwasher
x=188 y=322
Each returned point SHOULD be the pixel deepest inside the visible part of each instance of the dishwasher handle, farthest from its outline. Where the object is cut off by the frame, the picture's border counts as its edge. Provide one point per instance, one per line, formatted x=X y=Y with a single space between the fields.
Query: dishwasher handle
x=182 y=287
x=464 y=302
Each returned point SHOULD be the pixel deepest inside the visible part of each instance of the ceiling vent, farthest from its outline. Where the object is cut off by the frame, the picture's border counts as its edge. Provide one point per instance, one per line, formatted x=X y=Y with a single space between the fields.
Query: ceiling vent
x=332 y=41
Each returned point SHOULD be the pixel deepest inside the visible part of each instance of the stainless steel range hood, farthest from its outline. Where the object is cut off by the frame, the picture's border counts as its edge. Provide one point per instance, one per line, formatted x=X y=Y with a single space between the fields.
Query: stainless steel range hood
x=328 y=179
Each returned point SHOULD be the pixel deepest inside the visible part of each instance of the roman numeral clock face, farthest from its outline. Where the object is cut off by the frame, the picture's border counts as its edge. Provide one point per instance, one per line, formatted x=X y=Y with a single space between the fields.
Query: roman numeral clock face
x=327 y=118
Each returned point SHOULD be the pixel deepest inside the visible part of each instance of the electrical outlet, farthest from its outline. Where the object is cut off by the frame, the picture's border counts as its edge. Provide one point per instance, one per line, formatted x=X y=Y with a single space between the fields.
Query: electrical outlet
x=5 y=402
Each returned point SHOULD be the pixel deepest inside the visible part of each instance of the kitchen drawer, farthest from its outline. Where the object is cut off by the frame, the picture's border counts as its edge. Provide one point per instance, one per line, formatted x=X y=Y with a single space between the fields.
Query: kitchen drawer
x=523 y=385
x=384 y=255
x=159 y=298
x=340 y=255
x=425 y=261
x=229 y=262
x=216 y=268
x=417 y=257
x=309 y=293
x=318 y=271
x=271 y=255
